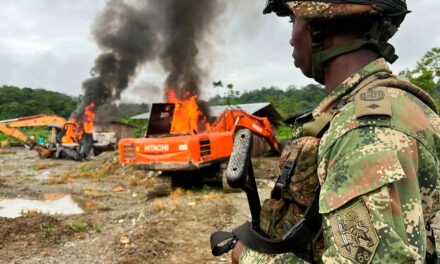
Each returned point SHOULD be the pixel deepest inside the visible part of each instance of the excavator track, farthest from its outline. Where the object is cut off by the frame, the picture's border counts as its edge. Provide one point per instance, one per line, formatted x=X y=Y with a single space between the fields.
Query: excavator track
x=165 y=182
x=162 y=186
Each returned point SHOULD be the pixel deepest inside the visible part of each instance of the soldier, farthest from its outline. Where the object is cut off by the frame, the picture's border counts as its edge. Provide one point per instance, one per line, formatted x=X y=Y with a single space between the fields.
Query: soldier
x=378 y=147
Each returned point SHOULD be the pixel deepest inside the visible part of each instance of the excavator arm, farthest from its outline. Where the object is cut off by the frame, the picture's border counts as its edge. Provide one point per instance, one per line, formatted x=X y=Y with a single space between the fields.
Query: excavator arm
x=15 y=133
x=10 y=128
x=232 y=120
x=35 y=120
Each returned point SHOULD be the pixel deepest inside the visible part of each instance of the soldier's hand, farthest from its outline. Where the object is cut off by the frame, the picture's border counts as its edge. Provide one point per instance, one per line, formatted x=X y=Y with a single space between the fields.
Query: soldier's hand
x=236 y=252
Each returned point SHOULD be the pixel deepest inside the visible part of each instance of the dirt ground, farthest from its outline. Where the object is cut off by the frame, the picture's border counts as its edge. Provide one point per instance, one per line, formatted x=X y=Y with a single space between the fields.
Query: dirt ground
x=122 y=221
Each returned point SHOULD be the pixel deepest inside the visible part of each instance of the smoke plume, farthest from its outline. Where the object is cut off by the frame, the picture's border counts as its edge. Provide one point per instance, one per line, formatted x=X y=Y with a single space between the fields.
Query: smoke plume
x=132 y=35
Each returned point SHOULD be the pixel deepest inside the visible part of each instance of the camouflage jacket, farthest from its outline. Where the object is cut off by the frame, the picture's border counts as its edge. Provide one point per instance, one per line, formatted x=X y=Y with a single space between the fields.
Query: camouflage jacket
x=378 y=170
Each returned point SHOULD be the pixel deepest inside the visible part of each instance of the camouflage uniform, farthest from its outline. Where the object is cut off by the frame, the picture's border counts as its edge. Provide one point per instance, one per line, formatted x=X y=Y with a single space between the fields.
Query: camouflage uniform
x=378 y=162
x=378 y=170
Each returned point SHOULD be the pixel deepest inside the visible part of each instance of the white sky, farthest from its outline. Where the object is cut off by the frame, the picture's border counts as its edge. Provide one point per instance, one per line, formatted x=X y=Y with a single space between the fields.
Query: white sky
x=47 y=44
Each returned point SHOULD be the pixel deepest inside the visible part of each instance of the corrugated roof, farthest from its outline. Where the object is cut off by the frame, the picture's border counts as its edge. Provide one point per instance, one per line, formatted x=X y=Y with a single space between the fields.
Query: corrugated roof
x=141 y=116
x=258 y=109
x=250 y=108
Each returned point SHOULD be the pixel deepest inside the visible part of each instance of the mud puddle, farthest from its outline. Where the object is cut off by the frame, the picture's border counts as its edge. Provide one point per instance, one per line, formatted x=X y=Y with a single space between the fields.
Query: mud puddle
x=12 y=208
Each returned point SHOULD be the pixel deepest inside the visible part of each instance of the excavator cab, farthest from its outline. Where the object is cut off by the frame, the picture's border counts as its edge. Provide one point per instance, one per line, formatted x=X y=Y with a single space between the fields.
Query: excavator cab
x=161 y=118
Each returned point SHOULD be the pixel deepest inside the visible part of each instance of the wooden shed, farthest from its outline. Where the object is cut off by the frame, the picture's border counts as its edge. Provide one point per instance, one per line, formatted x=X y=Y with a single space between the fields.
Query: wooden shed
x=121 y=130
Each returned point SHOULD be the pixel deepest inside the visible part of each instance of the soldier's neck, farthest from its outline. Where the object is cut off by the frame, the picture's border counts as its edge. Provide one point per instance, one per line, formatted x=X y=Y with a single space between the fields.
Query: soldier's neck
x=340 y=68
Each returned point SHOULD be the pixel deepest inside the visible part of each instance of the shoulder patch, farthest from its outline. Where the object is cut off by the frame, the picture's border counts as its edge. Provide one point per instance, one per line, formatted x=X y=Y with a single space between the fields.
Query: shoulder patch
x=372 y=101
x=354 y=233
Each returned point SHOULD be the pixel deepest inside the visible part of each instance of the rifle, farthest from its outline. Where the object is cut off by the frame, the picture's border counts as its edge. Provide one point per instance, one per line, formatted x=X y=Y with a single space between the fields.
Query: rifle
x=240 y=173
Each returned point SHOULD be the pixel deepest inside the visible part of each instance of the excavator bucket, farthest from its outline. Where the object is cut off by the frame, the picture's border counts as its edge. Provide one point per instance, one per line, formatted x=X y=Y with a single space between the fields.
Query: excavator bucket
x=43 y=152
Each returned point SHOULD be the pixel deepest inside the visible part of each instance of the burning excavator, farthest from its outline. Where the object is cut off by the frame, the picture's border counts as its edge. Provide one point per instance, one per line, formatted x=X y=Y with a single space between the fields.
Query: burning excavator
x=73 y=139
x=179 y=138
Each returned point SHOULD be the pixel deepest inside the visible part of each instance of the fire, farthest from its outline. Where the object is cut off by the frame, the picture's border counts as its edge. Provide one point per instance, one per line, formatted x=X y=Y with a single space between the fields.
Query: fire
x=187 y=116
x=74 y=129
x=89 y=118
x=70 y=133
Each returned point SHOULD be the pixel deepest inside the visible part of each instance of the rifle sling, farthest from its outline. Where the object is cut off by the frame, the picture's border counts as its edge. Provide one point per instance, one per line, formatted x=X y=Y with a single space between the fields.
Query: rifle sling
x=295 y=240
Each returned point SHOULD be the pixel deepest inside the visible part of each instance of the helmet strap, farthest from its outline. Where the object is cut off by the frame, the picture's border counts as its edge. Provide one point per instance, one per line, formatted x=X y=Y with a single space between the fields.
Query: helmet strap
x=317 y=36
x=376 y=37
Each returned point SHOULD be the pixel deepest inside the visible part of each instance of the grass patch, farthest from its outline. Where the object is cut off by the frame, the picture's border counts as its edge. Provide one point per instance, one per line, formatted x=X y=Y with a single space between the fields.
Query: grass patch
x=43 y=166
x=103 y=174
x=158 y=205
x=56 y=180
x=7 y=152
x=30 y=213
x=256 y=163
x=180 y=192
x=82 y=166
x=95 y=165
x=47 y=229
x=86 y=175
x=79 y=226
x=16 y=175
x=97 y=228
x=92 y=171
x=5 y=143
x=137 y=180
x=162 y=205
x=94 y=194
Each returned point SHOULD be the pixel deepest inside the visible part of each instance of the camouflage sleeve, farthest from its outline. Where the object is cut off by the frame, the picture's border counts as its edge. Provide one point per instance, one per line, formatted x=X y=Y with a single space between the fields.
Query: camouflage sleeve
x=249 y=256
x=378 y=190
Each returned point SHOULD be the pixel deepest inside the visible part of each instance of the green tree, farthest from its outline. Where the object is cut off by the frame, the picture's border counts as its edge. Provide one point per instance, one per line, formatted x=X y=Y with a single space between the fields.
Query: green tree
x=426 y=74
x=16 y=102
x=288 y=102
x=230 y=94
x=140 y=126
x=217 y=85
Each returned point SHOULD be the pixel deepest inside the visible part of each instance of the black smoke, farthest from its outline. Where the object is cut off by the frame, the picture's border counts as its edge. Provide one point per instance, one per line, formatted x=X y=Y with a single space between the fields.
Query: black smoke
x=131 y=35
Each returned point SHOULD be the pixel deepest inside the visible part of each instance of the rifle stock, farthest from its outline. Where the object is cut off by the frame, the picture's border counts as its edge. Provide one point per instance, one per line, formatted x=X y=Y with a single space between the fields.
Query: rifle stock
x=240 y=173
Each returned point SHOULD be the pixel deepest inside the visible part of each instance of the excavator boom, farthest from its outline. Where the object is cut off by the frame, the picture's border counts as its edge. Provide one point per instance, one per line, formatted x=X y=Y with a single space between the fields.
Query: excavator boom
x=10 y=128
x=35 y=120
x=15 y=133
x=232 y=120
x=102 y=140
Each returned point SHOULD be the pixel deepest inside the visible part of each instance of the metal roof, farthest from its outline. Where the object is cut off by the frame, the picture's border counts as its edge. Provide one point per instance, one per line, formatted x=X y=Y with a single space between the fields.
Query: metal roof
x=259 y=109
x=264 y=109
x=250 y=108
x=141 y=116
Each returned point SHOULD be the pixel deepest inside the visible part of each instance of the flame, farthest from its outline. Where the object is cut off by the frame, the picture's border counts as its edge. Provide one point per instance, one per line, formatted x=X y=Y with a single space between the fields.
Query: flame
x=90 y=117
x=74 y=129
x=187 y=116
x=70 y=133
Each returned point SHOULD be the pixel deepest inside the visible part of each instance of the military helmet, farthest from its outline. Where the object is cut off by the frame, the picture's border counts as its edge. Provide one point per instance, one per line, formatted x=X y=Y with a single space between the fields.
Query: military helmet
x=389 y=14
x=334 y=9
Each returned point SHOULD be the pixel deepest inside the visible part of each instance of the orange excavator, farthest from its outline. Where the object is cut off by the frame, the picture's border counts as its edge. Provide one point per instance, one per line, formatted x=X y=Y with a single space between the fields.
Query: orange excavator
x=101 y=141
x=10 y=128
x=162 y=151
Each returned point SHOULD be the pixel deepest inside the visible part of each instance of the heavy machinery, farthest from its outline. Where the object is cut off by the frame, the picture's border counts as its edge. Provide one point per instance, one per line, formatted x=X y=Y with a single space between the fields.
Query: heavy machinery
x=59 y=126
x=174 y=153
x=10 y=128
